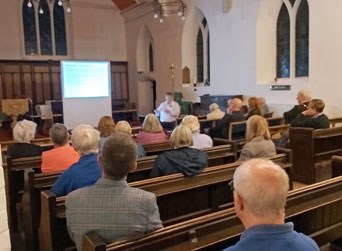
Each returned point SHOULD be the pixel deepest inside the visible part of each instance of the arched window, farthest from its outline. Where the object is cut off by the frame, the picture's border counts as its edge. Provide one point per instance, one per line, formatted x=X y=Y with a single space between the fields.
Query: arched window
x=29 y=25
x=302 y=40
x=150 y=57
x=59 y=25
x=45 y=29
x=199 y=54
x=283 y=43
x=39 y=33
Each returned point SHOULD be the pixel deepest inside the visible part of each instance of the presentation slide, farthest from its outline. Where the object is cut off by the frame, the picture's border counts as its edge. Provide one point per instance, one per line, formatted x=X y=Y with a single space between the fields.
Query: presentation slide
x=85 y=79
x=86 y=92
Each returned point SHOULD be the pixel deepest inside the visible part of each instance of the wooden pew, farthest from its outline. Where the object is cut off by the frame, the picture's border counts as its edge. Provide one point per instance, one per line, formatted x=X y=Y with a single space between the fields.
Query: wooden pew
x=205 y=193
x=315 y=210
x=37 y=182
x=336 y=166
x=310 y=146
x=334 y=121
x=157 y=148
x=14 y=168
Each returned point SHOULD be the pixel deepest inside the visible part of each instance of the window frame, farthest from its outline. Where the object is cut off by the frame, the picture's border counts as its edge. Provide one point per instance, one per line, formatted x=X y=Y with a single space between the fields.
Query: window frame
x=39 y=56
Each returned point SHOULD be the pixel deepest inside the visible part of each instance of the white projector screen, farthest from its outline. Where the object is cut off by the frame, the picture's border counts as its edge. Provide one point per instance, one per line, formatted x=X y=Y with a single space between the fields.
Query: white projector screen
x=86 y=92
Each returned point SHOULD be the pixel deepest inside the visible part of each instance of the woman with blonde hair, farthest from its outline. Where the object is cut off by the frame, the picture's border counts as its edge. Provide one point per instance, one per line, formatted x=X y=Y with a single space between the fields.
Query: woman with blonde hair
x=106 y=128
x=258 y=140
x=254 y=107
x=125 y=127
x=152 y=131
x=200 y=141
x=183 y=159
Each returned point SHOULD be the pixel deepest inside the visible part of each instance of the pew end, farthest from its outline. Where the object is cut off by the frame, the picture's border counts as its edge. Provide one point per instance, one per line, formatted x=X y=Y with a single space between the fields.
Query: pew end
x=93 y=242
x=336 y=166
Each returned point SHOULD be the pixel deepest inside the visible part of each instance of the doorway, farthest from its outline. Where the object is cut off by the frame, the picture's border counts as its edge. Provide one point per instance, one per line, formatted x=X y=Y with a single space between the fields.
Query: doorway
x=146 y=97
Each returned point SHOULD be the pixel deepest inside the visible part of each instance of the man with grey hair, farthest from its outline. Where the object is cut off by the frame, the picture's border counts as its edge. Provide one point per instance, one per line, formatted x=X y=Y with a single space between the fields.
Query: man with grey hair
x=85 y=172
x=303 y=99
x=260 y=191
x=112 y=208
x=63 y=155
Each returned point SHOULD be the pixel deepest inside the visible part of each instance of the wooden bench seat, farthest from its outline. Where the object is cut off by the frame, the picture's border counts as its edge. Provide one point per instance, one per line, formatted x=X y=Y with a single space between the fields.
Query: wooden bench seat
x=37 y=182
x=205 y=193
x=315 y=210
x=310 y=146
x=336 y=166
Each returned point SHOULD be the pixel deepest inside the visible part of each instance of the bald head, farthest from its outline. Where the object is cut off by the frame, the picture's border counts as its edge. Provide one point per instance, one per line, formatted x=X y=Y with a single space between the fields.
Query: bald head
x=235 y=104
x=261 y=100
x=303 y=96
x=263 y=186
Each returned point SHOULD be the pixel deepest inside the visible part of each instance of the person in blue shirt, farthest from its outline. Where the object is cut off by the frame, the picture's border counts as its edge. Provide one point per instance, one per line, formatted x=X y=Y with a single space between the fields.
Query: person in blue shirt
x=85 y=172
x=260 y=191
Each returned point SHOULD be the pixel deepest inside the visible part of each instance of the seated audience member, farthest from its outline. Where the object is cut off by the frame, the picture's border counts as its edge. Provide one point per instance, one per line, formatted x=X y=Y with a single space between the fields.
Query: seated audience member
x=106 y=128
x=85 y=172
x=260 y=191
x=215 y=112
x=23 y=134
x=234 y=115
x=258 y=140
x=263 y=105
x=183 y=159
x=313 y=117
x=63 y=155
x=124 y=127
x=303 y=99
x=254 y=107
x=152 y=131
x=168 y=111
x=112 y=208
x=200 y=141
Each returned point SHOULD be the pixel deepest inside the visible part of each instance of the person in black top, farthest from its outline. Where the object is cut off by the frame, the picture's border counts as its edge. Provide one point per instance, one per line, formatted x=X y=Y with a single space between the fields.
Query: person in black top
x=23 y=133
x=183 y=159
x=313 y=117
x=233 y=115
x=303 y=99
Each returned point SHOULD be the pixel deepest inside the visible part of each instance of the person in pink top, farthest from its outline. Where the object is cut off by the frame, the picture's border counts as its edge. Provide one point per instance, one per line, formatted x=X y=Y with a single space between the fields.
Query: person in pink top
x=63 y=155
x=152 y=131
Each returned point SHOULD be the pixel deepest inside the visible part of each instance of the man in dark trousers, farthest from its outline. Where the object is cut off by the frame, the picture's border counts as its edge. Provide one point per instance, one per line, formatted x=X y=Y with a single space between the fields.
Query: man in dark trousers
x=303 y=99
x=233 y=115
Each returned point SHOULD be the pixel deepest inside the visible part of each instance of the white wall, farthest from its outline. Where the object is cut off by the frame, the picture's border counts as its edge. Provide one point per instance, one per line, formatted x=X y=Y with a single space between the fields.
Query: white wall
x=95 y=31
x=234 y=42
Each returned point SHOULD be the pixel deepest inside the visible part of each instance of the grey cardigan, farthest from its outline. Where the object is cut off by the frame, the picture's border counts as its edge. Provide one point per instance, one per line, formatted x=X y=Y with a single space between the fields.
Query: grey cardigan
x=258 y=147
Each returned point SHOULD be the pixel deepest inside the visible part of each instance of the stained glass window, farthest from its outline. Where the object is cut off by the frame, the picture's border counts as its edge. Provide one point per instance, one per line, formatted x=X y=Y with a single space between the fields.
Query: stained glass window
x=59 y=26
x=45 y=29
x=29 y=24
x=199 y=54
x=283 y=43
x=302 y=40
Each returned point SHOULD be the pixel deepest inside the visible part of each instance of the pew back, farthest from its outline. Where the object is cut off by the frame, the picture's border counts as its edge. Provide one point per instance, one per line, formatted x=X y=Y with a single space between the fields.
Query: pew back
x=315 y=211
x=310 y=146
x=200 y=195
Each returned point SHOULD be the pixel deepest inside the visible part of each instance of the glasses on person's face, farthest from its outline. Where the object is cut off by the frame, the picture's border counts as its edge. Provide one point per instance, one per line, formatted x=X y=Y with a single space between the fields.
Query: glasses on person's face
x=231 y=185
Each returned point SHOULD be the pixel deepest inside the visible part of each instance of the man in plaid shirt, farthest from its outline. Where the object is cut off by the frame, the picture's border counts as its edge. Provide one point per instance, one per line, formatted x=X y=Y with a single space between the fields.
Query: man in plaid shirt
x=112 y=208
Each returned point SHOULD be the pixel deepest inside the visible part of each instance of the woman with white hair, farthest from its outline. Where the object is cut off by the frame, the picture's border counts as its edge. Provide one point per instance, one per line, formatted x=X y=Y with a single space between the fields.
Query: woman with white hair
x=183 y=159
x=85 y=172
x=200 y=141
x=23 y=134
x=215 y=112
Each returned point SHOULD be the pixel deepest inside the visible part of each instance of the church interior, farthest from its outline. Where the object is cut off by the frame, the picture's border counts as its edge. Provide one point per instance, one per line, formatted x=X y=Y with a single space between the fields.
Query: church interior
x=285 y=56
